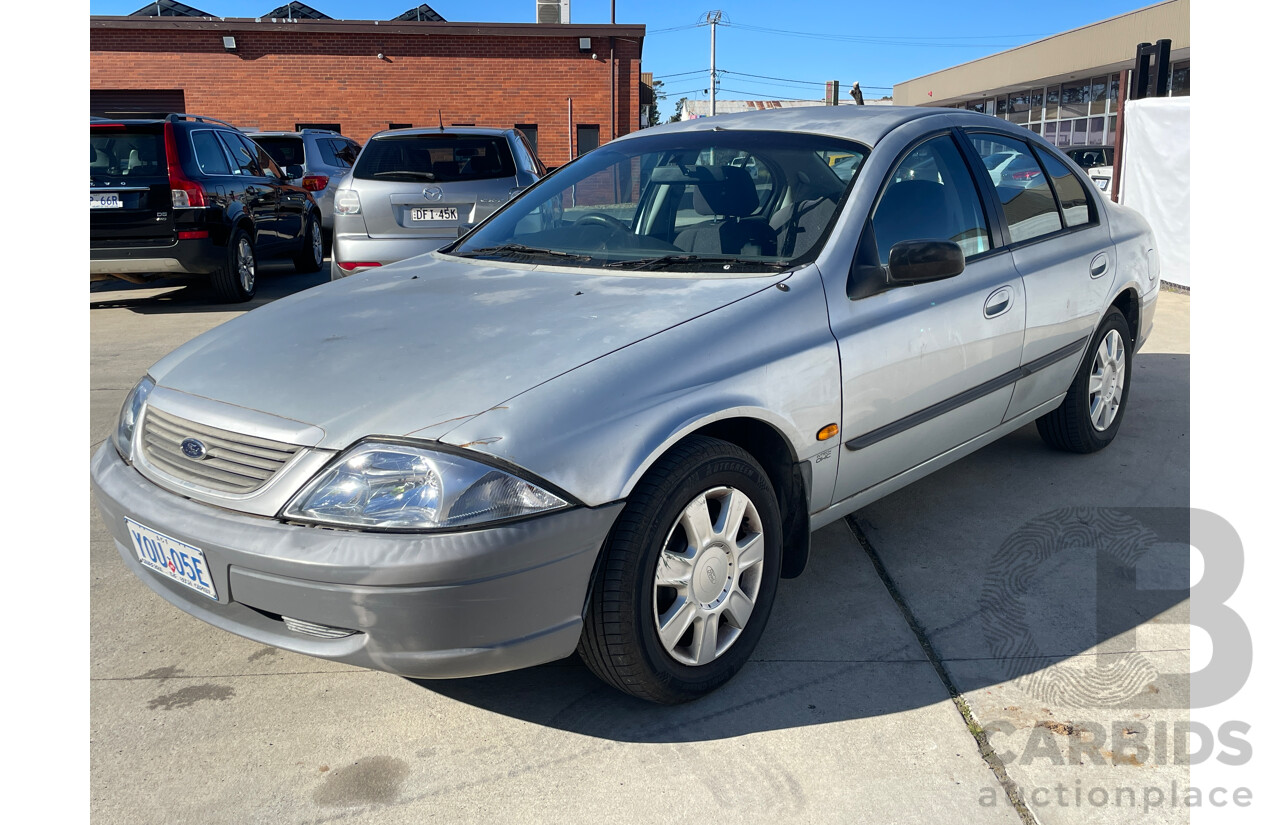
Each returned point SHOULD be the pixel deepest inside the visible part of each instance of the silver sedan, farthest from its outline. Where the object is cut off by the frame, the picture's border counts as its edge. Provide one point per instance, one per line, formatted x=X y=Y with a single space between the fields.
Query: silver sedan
x=609 y=417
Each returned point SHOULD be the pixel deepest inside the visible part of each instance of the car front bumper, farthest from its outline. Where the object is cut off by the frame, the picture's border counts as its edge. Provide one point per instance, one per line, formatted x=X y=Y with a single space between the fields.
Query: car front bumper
x=421 y=605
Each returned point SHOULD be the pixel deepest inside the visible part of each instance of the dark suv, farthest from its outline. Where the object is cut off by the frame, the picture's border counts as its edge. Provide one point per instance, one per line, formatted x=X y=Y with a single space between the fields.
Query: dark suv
x=184 y=195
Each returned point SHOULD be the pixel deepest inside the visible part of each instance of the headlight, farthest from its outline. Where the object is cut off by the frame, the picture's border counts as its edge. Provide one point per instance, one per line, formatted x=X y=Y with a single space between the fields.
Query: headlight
x=129 y=415
x=402 y=486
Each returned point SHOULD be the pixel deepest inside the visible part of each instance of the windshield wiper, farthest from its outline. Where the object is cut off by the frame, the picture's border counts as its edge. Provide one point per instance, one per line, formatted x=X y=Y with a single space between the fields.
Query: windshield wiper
x=412 y=173
x=521 y=249
x=663 y=261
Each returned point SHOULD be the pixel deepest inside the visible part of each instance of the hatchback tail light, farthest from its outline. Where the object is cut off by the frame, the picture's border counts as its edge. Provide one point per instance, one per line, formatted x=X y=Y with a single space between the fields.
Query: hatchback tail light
x=351 y=266
x=1025 y=174
x=315 y=183
x=186 y=192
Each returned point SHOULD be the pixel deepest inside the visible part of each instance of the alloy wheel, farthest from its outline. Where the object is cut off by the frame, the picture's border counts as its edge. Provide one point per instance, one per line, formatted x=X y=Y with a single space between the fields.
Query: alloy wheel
x=708 y=576
x=1106 y=381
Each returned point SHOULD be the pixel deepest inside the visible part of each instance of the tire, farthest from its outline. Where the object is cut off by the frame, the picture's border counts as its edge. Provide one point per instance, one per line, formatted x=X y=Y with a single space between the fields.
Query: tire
x=1089 y=417
x=721 y=584
x=310 y=257
x=237 y=280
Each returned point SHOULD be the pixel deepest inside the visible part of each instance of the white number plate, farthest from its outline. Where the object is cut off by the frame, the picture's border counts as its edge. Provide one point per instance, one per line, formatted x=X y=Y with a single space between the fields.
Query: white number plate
x=449 y=214
x=169 y=557
x=104 y=201
x=1102 y=183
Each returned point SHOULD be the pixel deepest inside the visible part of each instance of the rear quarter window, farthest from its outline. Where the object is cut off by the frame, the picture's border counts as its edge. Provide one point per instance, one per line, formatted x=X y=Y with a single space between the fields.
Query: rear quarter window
x=210 y=157
x=441 y=158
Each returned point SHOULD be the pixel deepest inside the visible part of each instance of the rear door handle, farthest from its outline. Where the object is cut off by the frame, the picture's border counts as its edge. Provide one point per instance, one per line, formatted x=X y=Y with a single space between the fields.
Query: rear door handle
x=1098 y=267
x=998 y=302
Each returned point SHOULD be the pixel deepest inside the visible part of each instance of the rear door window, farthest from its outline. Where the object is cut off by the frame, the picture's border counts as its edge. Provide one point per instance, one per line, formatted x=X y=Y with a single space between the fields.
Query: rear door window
x=436 y=157
x=1028 y=203
x=1071 y=194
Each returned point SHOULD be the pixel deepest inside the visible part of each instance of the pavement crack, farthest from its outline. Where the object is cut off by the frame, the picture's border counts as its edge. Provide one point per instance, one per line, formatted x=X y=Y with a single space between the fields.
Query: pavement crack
x=988 y=754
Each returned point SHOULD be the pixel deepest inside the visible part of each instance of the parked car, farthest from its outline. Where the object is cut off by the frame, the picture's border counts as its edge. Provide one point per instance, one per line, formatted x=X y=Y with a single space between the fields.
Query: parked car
x=185 y=195
x=414 y=190
x=595 y=424
x=1090 y=157
x=325 y=158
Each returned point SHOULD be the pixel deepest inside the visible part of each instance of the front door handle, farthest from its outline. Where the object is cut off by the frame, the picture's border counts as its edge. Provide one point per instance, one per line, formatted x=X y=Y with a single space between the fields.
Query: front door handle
x=251 y=190
x=998 y=302
x=1098 y=267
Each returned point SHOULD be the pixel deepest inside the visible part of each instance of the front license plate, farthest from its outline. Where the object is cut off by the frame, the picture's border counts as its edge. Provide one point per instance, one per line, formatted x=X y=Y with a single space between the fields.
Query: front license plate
x=111 y=201
x=169 y=557
x=428 y=214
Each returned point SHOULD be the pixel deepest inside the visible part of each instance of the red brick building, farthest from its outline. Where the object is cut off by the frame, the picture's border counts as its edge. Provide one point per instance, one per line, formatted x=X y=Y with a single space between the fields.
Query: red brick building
x=364 y=76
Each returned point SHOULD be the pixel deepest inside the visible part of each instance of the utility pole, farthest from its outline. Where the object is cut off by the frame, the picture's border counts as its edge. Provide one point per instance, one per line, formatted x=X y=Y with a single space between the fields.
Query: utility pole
x=713 y=18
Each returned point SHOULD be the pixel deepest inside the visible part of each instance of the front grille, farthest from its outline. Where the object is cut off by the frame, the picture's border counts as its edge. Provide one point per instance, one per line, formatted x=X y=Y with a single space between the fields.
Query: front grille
x=234 y=463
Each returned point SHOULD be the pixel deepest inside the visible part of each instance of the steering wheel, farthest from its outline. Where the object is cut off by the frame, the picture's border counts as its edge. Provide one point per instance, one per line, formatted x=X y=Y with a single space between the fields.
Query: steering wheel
x=603 y=220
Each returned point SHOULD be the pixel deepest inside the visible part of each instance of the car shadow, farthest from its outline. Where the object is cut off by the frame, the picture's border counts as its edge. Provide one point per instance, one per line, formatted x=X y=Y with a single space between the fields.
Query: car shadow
x=1017 y=564
x=277 y=279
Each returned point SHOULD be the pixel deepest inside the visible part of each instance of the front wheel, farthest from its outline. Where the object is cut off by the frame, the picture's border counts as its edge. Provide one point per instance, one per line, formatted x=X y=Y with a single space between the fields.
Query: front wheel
x=688 y=575
x=1089 y=417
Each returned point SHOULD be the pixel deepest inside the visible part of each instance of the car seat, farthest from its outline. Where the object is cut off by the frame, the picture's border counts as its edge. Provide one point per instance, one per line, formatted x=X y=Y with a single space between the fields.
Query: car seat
x=728 y=194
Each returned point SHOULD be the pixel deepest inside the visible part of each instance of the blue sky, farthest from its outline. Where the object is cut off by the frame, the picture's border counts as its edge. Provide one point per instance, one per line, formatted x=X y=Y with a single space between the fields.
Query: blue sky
x=779 y=42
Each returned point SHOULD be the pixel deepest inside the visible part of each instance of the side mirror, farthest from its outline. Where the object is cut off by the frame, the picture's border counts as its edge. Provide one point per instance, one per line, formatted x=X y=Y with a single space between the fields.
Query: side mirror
x=915 y=262
x=293 y=172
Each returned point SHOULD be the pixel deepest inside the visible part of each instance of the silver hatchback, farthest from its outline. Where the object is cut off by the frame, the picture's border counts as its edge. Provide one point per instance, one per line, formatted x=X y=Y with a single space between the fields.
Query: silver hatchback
x=414 y=190
x=608 y=419
x=317 y=158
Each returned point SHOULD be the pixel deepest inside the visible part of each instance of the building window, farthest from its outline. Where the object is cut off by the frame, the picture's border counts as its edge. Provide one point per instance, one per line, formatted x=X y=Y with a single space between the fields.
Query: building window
x=1180 y=79
x=332 y=127
x=1098 y=96
x=588 y=137
x=531 y=133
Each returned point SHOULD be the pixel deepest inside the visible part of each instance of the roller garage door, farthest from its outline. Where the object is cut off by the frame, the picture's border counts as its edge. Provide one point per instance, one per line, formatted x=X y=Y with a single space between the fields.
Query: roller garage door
x=117 y=102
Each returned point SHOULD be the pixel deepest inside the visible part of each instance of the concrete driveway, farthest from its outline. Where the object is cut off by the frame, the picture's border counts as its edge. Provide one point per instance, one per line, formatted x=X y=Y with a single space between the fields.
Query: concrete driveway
x=996 y=643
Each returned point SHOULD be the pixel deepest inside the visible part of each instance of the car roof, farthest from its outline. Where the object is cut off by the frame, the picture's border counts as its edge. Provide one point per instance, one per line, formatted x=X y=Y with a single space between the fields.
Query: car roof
x=448 y=130
x=865 y=124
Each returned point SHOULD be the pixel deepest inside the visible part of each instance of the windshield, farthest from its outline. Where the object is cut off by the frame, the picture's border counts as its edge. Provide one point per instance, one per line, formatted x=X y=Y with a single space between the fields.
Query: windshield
x=719 y=201
x=441 y=158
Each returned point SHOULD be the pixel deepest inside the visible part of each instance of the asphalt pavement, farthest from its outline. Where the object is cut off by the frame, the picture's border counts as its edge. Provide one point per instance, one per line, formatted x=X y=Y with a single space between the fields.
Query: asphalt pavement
x=1005 y=641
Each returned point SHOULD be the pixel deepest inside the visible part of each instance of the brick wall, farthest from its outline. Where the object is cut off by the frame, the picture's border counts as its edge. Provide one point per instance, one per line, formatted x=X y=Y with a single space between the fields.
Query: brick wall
x=277 y=78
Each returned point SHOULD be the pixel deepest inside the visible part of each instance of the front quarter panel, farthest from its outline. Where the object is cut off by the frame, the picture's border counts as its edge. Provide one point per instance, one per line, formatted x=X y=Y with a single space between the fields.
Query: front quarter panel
x=595 y=430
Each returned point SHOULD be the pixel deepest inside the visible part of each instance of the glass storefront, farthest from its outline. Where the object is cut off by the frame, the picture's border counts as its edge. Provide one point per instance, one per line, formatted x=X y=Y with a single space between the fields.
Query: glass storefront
x=1077 y=113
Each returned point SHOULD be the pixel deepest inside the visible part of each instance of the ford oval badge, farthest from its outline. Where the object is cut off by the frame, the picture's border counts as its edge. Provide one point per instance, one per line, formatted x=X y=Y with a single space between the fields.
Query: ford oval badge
x=194 y=449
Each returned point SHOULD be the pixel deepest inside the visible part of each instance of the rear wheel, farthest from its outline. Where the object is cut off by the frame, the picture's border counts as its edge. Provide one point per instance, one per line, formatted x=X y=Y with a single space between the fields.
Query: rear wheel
x=237 y=280
x=688 y=575
x=1089 y=417
x=310 y=255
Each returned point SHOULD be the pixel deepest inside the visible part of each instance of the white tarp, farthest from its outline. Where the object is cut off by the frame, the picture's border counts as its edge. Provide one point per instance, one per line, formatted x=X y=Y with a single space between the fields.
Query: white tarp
x=1155 y=178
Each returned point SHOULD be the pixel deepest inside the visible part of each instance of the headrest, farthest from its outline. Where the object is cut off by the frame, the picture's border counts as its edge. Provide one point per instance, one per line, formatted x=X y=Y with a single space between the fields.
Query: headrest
x=725 y=190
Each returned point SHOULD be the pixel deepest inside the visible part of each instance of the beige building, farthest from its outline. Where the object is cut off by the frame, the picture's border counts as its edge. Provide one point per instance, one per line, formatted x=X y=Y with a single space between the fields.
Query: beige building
x=1067 y=86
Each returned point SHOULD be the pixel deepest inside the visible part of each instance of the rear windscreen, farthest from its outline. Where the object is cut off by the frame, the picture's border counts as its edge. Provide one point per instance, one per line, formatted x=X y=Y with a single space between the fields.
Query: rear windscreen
x=285 y=151
x=439 y=158
x=123 y=153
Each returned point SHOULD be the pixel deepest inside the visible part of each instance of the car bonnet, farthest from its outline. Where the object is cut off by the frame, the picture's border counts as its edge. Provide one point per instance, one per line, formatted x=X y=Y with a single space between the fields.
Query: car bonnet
x=419 y=347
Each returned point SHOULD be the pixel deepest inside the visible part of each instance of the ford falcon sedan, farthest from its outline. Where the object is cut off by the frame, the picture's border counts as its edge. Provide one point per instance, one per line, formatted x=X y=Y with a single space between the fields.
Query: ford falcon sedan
x=608 y=418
